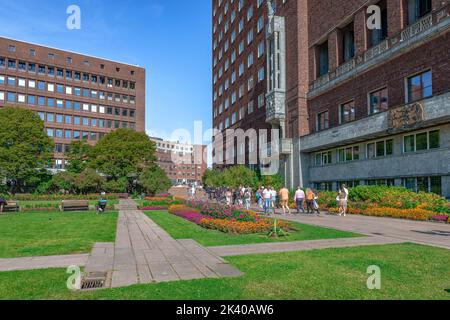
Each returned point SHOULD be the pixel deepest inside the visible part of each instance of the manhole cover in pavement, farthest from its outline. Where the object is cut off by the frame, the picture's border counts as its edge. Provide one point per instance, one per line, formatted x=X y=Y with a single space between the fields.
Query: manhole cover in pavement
x=94 y=280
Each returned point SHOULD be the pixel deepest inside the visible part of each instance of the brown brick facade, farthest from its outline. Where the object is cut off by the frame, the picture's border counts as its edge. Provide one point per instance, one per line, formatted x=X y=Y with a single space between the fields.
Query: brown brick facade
x=77 y=96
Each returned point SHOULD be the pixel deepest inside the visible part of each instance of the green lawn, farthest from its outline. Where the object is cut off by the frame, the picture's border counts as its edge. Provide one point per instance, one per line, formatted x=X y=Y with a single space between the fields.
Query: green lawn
x=54 y=233
x=408 y=271
x=180 y=228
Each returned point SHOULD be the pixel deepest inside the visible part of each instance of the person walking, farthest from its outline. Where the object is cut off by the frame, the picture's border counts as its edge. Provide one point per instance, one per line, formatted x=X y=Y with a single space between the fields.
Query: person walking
x=247 y=198
x=299 y=199
x=284 y=200
x=309 y=201
x=228 y=197
x=259 y=198
x=273 y=199
x=343 y=200
x=267 y=196
x=316 y=201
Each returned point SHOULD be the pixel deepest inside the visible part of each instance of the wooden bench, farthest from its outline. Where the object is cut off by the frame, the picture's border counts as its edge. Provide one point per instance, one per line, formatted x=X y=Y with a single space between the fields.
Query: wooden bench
x=122 y=195
x=11 y=207
x=74 y=205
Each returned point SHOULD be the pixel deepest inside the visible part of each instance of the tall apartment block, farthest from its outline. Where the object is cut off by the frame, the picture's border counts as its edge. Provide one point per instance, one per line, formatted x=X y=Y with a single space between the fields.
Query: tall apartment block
x=78 y=97
x=183 y=163
x=356 y=104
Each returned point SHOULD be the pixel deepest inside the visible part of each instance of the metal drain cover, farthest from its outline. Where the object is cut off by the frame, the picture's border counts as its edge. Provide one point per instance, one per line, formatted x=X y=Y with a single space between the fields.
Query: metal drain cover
x=94 y=280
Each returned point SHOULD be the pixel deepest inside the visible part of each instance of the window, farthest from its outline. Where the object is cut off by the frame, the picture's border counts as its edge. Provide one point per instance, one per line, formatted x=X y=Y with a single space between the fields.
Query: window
x=348 y=154
x=418 y=9
x=322 y=64
x=420 y=86
x=376 y=36
x=424 y=184
x=323 y=158
x=323 y=121
x=347 y=112
x=378 y=101
x=421 y=141
x=348 y=43
x=380 y=149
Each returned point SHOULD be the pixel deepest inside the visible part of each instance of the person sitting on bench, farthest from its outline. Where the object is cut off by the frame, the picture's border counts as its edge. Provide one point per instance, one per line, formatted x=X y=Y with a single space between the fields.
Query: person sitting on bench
x=102 y=203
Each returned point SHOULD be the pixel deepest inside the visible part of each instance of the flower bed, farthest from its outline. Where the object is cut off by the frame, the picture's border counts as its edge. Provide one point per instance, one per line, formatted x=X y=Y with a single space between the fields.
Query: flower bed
x=241 y=227
x=159 y=202
x=225 y=219
x=393 y=202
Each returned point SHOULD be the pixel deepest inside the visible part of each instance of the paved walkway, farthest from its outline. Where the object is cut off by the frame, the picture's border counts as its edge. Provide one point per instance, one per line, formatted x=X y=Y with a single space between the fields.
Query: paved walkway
x=427 y=233
x=32 y=263
x=145 y=253
x=261 y=248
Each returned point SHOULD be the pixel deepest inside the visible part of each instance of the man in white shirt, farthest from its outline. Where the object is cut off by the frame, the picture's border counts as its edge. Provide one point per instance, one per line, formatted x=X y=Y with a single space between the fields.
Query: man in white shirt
x=267 y=195
x=299 y=199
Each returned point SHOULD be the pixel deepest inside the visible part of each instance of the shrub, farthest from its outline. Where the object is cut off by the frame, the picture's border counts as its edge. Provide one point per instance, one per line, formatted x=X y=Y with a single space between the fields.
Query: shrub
x=241 y=227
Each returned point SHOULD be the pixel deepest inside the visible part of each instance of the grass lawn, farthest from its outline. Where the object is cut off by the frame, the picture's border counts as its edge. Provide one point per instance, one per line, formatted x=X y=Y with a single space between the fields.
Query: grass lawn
x=54 y=233
x=180 y=228
x=408 y=271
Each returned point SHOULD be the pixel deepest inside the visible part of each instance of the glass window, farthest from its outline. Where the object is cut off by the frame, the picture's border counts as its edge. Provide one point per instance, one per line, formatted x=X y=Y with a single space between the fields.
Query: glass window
x=347 y=112
x=409 y=145
x=378 y=101
x=422 y=141
x=434 y=139
x=323 y=121
x=420 y=86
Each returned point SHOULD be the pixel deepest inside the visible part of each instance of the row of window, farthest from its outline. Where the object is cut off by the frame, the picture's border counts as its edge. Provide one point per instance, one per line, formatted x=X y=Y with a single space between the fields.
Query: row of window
x=59 y=88
x=418 y=87
x=415 y=10
x=41 y=69
x=40 y=101
x=422 y=141
x=237 y=115
x=81 y=121
x=416 y=184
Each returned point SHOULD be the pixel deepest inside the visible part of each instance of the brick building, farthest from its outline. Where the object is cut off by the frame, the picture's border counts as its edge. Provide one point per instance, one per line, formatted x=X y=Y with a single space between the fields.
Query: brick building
x=354 y=104
x=77 y=96
x=183 y=163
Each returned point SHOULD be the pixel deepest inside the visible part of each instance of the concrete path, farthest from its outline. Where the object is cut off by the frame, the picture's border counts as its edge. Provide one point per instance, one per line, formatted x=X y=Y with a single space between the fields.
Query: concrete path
x=261 y=248
x=32 y=263
x=145 y=253
x=427 y=233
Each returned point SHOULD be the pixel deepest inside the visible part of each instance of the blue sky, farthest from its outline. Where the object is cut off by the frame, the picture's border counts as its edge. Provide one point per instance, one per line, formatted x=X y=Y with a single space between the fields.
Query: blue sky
x=170 y=38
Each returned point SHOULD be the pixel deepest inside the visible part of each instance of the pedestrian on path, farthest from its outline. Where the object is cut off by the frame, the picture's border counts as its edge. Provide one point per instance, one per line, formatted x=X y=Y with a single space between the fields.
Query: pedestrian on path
x=259 y=197
x=267 y=195
x=309 y=201
x=316 y=201
x=299 y=199
x=343 y=200
x=247 y=198
x=284 y=200
x=273 y=199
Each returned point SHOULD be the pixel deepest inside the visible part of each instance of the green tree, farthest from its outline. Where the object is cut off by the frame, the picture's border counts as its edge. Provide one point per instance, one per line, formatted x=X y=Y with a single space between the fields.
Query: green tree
x=89 y=181
x=24 y=147
x=153 y=180
x=276 y=181
x=64 y=181
x=123 y=153
x=78 y=156
x=213 y=178
x=240 y=175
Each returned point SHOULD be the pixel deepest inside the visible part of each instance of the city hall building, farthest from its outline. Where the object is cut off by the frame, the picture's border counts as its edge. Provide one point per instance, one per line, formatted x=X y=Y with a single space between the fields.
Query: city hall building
x=354 y=105
x=78 y=97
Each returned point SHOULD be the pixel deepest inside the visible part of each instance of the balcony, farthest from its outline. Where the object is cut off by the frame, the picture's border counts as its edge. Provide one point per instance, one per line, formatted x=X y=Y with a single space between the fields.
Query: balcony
x=412 y=35
x=403 y=118
x=275 y=110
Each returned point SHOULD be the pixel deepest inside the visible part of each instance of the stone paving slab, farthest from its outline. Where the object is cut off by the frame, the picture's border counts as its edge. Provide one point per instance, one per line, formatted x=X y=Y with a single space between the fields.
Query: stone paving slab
x=145 y=253
x=262 y=248
x=33 y=263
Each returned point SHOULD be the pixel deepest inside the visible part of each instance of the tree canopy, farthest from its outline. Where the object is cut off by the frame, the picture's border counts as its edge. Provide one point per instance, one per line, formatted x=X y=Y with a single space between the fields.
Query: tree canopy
x=24 y=147
x=123 y=153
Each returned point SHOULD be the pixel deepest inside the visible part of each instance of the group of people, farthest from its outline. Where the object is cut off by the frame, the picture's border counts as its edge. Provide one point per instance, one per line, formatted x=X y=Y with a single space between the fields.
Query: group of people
x=268 y=199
